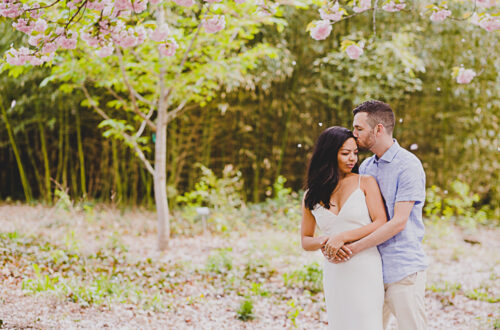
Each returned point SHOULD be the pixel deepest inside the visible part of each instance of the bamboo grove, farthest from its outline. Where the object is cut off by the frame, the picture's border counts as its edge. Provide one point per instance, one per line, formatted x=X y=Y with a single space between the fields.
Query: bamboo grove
x=50 y=142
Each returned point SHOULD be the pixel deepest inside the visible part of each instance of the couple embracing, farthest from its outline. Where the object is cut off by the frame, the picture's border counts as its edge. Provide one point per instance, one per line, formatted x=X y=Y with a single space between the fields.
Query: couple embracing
x=372 y=224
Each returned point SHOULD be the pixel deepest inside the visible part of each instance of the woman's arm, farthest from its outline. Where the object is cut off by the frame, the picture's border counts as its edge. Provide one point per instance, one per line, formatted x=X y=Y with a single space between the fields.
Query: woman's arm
x=309 y=242
x=376 y=210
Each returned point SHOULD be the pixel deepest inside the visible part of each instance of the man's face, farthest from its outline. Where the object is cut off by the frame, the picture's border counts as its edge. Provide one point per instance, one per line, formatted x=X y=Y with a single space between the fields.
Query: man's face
x=365 y=135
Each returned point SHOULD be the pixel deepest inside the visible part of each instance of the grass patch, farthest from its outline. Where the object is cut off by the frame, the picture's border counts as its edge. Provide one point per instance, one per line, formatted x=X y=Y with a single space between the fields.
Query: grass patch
x=482 y=294
x=309 y=277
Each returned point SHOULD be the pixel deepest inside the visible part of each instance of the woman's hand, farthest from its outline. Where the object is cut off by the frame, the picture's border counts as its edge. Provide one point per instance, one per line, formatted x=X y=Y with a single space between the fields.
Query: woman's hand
x=322 y=240
x=333 y=244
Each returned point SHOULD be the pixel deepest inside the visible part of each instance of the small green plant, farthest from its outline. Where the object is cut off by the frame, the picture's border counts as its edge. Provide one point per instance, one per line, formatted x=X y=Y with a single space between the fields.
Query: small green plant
x=41 y=282
x=64 y=199
x=310 y=278
x=452 y=288
x=71 y=242
x=258 y=290
x=245 y=311
x=219 y=262
x=482 y=294
x=446 y=291
x=293 y=311
x=115 y=242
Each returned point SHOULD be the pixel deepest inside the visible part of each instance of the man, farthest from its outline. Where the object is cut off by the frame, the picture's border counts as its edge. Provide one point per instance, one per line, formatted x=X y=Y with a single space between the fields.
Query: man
x=401 y=179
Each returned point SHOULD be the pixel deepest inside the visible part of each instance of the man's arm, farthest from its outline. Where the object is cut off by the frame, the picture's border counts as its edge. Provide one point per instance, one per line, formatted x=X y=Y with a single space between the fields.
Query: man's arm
x=402 y=212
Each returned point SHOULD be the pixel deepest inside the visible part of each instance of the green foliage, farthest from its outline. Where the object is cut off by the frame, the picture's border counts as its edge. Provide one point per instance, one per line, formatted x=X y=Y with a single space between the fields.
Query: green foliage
x=256 y=289
x=280 y=192
x=309 y=277
x=483 y=294
x=245 y=311
x=220 y=261
x=458 y=204
x=216 y=193
x=293 y=311
x=446 y=291
x=41 y=282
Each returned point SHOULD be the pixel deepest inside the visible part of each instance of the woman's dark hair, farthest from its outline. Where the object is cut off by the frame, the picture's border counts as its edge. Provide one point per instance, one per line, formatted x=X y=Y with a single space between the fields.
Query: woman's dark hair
x=323 y=171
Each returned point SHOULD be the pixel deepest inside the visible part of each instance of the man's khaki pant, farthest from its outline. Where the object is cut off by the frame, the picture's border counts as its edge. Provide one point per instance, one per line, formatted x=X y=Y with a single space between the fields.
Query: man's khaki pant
x=405 y=299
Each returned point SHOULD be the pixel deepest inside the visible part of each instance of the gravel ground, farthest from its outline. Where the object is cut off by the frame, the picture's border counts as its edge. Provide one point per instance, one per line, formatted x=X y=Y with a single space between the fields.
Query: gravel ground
x=454 y=263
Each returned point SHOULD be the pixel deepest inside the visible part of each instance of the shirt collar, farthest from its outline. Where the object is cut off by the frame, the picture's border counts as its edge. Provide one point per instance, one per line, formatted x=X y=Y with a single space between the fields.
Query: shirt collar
x=389 y=155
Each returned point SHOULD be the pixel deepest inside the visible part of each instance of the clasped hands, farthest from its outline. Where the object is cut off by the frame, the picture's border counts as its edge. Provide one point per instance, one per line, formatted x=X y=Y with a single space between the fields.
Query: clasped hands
x=335 y=250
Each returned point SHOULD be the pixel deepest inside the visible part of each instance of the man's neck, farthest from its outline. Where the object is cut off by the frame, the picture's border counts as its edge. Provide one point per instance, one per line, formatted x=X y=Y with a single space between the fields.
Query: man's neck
x=384 y=144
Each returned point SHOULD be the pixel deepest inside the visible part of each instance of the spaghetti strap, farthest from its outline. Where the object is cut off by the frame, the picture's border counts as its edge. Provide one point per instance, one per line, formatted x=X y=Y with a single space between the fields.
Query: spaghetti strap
x=359 y=183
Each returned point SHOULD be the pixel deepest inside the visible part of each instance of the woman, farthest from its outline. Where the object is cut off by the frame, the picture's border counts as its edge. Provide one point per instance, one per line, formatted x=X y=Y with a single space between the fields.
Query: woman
x=346 y=207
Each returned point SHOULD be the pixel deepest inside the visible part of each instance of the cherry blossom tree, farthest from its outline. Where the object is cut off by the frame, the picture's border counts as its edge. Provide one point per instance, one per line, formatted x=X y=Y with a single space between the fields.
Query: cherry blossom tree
x=191 y=47
x=484 y=14
x=154 y=59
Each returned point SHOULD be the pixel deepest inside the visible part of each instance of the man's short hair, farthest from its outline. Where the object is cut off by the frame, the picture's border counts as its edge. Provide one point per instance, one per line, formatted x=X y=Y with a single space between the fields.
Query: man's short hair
x=378 y=113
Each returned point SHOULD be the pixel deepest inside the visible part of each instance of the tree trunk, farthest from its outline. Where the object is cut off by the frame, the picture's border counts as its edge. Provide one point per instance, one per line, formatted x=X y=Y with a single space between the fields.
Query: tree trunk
x=160 y=176
x=160 y=173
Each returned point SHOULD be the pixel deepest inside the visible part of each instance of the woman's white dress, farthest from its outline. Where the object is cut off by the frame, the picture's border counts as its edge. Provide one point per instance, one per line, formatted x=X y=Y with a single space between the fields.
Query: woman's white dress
x=354 y=290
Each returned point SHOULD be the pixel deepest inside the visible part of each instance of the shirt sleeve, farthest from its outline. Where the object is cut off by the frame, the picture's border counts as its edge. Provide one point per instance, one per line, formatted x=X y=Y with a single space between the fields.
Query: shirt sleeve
x=411 y=184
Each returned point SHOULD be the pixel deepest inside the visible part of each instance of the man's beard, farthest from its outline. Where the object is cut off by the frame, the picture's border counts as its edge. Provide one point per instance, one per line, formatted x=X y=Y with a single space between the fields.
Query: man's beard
x=366 y=147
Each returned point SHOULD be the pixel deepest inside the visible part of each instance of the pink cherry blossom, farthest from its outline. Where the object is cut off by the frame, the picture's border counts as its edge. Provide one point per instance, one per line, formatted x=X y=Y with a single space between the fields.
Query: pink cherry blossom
x=89 y=39
x=239 y=1
x=393 y=7
x=35 y=60
x=67 y=43
x=332 y=13
x=169 y=48
x=485 y=3
x=22 y=25
x=362 y=6
x=321 y=30
x=465 y=76
x=105 y=51
x=96 y=5
x=19 y=56
x=139 y=6
x=440 y=15
x=490 y=23
x=161 y=33
x=214 y=24
x=185 y=3
x=154 y=2
x=354 y=51
x=123 y=5
x=40 y=25
x=35 y=40
x=10 y=9
x=50 y=47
